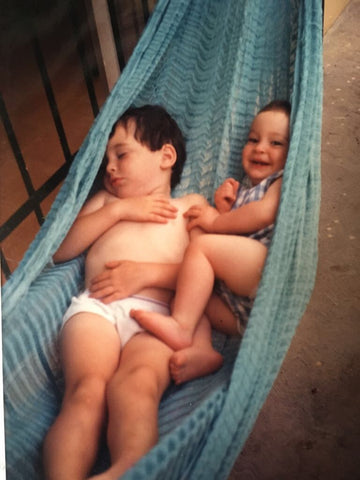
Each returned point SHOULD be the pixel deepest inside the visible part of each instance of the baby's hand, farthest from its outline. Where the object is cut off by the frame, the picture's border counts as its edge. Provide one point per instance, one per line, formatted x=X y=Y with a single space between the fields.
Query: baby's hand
x=120 y=279
x=148 y=208
x=202 y=216
x=225 y=195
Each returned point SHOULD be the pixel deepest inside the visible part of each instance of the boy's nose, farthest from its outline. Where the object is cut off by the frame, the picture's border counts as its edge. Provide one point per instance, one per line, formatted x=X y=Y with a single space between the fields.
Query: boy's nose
x=110 y=167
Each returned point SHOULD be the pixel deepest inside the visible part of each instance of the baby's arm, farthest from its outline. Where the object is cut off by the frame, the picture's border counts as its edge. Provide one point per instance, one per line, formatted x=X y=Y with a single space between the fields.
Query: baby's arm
x=103 y=211
x=225 y=195
x=246 y=219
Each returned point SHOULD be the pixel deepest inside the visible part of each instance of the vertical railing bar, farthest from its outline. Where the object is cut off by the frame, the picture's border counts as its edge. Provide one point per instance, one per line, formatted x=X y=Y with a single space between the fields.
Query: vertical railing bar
x=116 y=33
x=146 y=13
x=82 y=54
x=51 y=98
x=19 y=157
x=4 y=265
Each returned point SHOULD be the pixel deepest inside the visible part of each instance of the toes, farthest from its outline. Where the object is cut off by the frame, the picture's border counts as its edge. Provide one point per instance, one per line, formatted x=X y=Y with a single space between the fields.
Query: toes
x=136 y=313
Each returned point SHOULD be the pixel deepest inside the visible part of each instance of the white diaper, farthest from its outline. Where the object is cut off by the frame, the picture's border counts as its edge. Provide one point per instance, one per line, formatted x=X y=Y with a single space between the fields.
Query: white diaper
x=117 y=313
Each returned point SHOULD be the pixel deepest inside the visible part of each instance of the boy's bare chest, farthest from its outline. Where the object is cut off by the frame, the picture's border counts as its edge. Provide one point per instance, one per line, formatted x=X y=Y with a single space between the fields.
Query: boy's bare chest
x=147 y=241
x=142 y=242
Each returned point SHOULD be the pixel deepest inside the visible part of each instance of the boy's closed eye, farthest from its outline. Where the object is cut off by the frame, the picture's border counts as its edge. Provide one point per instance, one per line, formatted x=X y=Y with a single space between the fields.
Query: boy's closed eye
x=120 y=155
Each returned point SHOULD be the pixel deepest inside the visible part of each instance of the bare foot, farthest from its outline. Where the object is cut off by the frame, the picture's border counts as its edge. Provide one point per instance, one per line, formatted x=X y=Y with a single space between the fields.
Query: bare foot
x=164 y=327
x=194 y=362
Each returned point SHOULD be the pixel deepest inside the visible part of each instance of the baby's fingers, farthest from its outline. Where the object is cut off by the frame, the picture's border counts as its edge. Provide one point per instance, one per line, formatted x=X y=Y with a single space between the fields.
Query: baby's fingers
x=193 y=211
x=192 y=223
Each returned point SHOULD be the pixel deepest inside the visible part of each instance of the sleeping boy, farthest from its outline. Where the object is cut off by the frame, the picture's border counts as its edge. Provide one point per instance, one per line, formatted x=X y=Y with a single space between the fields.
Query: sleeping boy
x=113 y=369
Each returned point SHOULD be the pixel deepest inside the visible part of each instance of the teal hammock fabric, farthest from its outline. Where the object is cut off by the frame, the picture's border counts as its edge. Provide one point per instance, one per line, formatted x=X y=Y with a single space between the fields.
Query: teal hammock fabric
x=212 y=64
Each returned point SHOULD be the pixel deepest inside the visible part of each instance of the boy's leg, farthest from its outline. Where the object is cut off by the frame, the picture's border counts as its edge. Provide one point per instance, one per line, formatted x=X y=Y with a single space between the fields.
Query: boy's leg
x=197 y=360
x=90 y=350
x=133 y=397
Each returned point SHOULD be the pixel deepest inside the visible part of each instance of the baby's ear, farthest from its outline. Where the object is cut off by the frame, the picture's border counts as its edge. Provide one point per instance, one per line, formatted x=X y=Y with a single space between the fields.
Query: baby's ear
x=169 y=155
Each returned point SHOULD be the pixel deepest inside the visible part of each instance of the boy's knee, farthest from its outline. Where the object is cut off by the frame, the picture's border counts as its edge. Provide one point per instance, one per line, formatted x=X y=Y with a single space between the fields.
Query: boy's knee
x=89 y=391
x=140 y=381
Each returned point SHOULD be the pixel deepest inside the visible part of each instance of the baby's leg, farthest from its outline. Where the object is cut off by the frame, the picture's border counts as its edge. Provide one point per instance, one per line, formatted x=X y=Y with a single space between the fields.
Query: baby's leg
x=236 y=260
x=198 y=360
x=193 y=289
x=201 y=359
x=90 y=350
x=221 y=317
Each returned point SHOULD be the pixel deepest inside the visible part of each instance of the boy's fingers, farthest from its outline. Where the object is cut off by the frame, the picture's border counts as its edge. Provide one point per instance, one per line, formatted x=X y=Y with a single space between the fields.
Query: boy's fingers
x=111 y=298
x=102 y=292
x=99 y=285
x=112 y=264
x=166 y=204
x=158 y=218
x=97 y=279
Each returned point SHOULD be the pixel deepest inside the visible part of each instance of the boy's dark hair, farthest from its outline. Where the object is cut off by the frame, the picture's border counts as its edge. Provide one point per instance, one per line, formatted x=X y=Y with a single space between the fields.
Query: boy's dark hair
x=278 y=106
x=154 y=127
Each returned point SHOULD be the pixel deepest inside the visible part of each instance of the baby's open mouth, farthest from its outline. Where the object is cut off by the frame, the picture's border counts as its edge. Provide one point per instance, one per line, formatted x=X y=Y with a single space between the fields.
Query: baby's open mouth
x=259 y=162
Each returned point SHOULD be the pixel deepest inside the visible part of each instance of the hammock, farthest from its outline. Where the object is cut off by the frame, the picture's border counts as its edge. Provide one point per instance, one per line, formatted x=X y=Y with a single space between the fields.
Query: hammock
x=212 y=64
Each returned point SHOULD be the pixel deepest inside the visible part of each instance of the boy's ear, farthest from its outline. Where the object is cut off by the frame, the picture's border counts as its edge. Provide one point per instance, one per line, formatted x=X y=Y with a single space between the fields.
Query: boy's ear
x=169 y=155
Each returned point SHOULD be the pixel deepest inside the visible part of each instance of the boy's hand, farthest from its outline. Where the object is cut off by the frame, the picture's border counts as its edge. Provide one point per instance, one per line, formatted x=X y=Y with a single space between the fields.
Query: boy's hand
x=148 y=208
x=225 y=195
x=120 y=279
x=202 y=216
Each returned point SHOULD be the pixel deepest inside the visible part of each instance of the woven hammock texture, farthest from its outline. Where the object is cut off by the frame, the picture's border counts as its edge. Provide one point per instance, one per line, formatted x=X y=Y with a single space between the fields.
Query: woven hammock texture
x=212 y=64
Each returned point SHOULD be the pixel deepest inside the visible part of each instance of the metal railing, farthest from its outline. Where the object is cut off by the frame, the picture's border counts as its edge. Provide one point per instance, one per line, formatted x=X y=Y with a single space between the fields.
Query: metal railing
x=78 y=15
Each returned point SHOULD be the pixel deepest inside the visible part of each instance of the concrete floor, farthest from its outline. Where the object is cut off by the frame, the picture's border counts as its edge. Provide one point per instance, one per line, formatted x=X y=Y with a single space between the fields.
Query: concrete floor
x=309 y=427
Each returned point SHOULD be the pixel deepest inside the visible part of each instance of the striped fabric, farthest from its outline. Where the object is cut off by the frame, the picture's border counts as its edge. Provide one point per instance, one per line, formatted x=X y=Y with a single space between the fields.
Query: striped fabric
x=252 y=194
x=213 y=64
x=240 y=305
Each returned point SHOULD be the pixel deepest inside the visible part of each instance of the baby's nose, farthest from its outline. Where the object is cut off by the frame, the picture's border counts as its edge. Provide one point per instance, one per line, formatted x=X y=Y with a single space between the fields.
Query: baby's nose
x=260 y=146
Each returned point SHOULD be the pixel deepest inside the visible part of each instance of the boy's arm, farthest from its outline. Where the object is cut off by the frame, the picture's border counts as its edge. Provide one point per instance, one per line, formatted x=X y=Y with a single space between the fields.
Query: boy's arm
x=99 y=214
x=122 y=279
x=246 y=219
